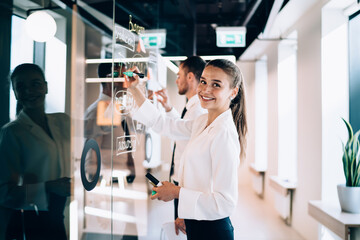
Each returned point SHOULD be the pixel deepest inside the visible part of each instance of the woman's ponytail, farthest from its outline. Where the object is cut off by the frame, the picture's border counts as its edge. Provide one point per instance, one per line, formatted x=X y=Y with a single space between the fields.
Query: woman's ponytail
x=238 y=109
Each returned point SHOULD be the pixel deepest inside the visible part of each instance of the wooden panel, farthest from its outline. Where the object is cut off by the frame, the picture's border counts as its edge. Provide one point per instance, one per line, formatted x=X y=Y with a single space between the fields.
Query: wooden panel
x=255 y=170
x=333 y=218
x=281 y=186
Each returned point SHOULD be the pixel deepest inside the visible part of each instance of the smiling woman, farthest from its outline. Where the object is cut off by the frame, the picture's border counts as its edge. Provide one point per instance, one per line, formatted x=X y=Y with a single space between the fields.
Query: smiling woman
x=207 y=190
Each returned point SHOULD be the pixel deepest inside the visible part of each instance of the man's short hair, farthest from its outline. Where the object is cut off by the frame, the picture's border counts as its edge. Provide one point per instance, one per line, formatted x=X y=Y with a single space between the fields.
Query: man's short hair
x=194 y=64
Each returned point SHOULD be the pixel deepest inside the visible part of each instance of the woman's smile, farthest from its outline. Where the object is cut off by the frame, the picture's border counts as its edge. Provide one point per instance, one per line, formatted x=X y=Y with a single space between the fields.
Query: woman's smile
x=205 y=98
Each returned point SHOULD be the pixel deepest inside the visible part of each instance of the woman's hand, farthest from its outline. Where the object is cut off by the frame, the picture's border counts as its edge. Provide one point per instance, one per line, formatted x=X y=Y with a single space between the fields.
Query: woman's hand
x=180 y=225
x=166 y=192
x=132 y=82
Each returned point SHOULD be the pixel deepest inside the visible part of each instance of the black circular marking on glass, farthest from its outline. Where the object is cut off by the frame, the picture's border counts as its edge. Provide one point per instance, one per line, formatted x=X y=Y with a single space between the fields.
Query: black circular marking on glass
x=90 y=144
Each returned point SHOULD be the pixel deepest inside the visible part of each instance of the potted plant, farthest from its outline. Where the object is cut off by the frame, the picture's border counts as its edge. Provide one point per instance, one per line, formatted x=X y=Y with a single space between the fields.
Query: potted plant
x=349 y=193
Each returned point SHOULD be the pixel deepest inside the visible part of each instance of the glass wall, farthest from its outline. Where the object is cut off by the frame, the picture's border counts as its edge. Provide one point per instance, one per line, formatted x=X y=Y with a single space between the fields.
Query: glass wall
x=104 y=152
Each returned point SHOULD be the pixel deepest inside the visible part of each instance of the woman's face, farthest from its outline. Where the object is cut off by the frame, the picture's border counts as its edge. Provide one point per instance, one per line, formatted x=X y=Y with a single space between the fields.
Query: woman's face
x=214 y=89
x=30 y=89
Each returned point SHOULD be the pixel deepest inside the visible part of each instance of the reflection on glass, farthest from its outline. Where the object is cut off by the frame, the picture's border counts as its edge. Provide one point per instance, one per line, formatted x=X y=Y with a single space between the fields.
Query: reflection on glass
x=35 y=163
x=107 y=120
x=91 y=165
x=124 y=102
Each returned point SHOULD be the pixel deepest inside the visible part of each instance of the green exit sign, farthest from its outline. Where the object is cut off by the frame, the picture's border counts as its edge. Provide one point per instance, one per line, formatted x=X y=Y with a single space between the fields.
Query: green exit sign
x=154 y=38
x=230 y=36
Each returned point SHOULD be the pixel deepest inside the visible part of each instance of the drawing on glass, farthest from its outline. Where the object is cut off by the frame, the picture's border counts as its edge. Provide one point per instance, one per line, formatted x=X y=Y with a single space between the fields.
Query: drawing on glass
x=125 y=38
x=125 y=144
x=124 y=102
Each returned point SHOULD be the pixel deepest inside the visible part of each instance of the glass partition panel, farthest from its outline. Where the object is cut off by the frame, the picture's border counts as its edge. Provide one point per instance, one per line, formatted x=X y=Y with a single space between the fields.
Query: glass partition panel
x=93 y=140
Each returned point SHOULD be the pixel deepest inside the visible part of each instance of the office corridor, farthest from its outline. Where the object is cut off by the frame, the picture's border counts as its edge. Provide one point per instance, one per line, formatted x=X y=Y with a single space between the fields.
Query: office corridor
x=253 y=220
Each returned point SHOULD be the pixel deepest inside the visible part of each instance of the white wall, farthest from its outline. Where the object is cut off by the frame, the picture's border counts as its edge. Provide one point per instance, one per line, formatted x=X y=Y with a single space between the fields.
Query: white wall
x=261 y=113
x=272 y=120
x=309 y=121
x=248 y=71
x=309 y=141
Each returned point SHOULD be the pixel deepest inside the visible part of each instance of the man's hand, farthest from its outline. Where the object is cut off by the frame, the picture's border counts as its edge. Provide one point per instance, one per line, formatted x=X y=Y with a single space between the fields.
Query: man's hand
x=166 y=192
x=180 y=225
x=163 y=99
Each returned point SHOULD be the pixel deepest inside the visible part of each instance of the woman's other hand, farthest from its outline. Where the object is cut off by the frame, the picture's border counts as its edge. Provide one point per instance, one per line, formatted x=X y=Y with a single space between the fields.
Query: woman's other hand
x=180 y=225
x=166 y=192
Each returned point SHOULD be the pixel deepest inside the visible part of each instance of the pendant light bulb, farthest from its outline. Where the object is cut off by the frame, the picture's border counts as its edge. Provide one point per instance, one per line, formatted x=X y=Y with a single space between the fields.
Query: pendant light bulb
x=40 y=26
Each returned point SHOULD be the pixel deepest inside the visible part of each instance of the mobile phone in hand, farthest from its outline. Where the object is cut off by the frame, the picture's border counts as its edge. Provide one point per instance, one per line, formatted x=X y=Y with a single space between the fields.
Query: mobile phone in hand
x=153 y=180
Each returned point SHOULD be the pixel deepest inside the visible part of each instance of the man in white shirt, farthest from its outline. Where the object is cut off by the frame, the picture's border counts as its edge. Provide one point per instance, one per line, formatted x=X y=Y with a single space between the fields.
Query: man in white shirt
x=187 y=81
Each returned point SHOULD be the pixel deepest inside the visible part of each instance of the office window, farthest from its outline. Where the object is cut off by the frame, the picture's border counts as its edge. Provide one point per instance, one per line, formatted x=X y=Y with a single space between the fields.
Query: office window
x=55 y=73
x=287 y=109
x=22 y=48
x=354 y=71
x=22 y=51
x=261 y=113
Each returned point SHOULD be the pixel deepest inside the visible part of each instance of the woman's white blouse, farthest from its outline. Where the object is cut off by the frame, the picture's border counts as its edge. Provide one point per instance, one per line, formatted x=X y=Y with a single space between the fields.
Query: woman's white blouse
x=29 y=158
x=208 y=166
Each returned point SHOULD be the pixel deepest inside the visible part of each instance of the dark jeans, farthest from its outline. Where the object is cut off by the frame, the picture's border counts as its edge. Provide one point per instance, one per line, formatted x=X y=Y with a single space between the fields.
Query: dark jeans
x=221 y=229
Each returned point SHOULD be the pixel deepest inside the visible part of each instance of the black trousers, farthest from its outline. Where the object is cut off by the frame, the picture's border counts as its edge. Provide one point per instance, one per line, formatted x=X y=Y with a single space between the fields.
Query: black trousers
x=44 y=225
x=221 y=229
x=176 y=203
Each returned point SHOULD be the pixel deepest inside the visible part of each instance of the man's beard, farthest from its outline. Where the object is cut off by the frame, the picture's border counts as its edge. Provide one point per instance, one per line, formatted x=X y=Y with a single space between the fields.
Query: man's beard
x=183 y=91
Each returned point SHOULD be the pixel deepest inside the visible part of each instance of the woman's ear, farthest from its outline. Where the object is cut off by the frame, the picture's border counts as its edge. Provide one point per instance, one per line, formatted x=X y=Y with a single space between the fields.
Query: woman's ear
x=234 y=92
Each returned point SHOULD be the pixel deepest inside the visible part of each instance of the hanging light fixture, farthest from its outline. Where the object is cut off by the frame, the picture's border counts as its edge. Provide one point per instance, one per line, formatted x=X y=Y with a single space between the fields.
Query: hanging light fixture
x=40 y=26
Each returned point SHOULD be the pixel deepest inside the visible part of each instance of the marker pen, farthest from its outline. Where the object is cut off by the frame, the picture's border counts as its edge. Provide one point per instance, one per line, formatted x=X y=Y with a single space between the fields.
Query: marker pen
x=131 y=74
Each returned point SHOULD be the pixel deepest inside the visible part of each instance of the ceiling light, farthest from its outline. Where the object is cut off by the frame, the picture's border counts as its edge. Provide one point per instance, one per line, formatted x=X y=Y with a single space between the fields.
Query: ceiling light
x=40 y=26
x=214 y=25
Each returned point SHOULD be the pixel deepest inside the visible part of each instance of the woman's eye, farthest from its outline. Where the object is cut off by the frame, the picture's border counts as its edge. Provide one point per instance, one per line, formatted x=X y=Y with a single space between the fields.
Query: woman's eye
x=202 y=82
x=216 y=85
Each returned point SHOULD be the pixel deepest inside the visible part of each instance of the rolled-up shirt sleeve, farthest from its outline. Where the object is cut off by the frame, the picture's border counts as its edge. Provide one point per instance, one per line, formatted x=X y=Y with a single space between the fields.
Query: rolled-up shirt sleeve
x=177 y=129
x=222 y=199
